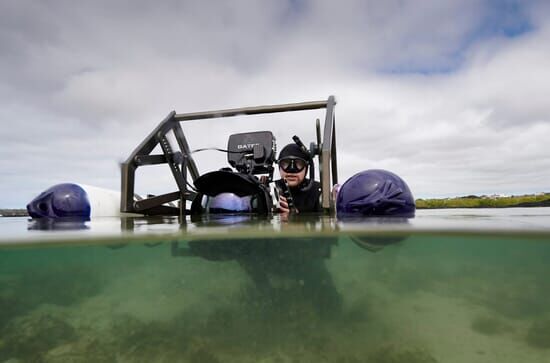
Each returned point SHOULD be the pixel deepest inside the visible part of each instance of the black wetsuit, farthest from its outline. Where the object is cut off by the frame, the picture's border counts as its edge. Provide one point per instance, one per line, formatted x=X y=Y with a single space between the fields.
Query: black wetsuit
x=287 y=271
x=299 y=259
x=305 y=200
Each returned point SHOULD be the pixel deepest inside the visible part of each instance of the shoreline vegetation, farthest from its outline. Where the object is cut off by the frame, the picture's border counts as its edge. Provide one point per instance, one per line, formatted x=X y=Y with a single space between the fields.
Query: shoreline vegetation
x=469 y=201
x=13 y=213
x=486 y=201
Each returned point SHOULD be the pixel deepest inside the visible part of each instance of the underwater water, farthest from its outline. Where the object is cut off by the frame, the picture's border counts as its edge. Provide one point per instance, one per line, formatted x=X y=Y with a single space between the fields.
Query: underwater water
x=293 y=292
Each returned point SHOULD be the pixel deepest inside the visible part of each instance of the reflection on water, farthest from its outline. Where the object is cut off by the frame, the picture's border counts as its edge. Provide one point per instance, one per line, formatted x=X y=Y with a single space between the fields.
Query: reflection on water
x=58 y=224
x=281 y=270
x=281 y=298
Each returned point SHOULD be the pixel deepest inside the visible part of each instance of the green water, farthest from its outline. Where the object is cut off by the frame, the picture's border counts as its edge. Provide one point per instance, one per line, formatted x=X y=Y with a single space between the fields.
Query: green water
x=427 y=298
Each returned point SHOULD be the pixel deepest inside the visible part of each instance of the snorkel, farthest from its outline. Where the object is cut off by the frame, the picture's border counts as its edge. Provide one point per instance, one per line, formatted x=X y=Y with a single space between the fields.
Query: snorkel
x=310 y=162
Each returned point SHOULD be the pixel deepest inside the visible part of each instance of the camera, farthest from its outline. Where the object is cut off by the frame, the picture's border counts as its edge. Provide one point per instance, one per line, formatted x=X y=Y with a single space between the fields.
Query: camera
x=239 y=191
x=252 y=152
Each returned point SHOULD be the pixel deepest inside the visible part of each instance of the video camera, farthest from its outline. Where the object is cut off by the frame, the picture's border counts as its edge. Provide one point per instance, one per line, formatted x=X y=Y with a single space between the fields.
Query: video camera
x=250 y=154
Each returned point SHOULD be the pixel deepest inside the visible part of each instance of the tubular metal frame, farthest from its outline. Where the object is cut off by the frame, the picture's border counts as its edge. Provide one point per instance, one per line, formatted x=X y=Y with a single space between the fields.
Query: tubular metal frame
x=181 y=162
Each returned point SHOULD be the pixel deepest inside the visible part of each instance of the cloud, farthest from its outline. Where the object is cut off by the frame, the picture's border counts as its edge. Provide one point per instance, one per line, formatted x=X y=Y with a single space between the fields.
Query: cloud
x=448 y=94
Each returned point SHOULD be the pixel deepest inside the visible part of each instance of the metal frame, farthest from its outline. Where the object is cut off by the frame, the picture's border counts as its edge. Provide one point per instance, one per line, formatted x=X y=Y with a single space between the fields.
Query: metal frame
x=181 y=162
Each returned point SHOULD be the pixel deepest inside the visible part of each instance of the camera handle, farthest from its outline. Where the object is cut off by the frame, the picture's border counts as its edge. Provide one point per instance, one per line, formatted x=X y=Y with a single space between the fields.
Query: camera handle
x=284 y=191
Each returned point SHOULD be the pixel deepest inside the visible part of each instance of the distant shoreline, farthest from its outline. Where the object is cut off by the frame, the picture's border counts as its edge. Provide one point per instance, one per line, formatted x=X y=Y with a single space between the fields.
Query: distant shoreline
x=473 y=201
x=14 y=213
x=526 y=205
x=453 y=203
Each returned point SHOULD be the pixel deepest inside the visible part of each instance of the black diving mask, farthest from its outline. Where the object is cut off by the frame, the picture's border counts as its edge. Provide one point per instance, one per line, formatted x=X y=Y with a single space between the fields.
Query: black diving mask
x=292 y=164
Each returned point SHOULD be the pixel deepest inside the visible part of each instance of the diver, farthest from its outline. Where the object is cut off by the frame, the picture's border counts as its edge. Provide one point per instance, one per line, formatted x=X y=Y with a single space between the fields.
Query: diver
x=299 y=261
x=294 y=161
x=285 y=271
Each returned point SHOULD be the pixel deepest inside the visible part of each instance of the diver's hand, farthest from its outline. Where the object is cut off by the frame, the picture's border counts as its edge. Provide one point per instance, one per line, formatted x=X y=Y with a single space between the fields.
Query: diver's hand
x=283 y=205
x=283 y=209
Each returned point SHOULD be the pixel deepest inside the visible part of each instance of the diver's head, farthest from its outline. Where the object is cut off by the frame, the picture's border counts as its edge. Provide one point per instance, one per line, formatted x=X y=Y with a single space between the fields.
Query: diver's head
x=293 y=164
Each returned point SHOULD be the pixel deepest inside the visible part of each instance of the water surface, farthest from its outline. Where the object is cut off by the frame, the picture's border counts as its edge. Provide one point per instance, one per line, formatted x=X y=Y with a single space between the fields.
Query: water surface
x=468 y=286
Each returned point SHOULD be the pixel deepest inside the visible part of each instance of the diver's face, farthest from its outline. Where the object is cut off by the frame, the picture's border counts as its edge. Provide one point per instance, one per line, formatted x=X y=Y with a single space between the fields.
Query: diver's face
x=293 y=179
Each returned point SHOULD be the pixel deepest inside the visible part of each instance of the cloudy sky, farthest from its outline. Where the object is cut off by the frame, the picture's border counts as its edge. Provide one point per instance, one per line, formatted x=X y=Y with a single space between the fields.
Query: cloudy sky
x=453 y=96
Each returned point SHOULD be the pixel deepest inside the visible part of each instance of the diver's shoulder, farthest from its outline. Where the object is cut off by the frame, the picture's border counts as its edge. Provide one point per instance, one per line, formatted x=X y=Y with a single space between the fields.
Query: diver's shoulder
x=316 y=187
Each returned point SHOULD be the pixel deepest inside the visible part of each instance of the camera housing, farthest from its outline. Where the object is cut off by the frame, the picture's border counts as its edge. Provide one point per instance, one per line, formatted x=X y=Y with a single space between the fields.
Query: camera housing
x=252 y=152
